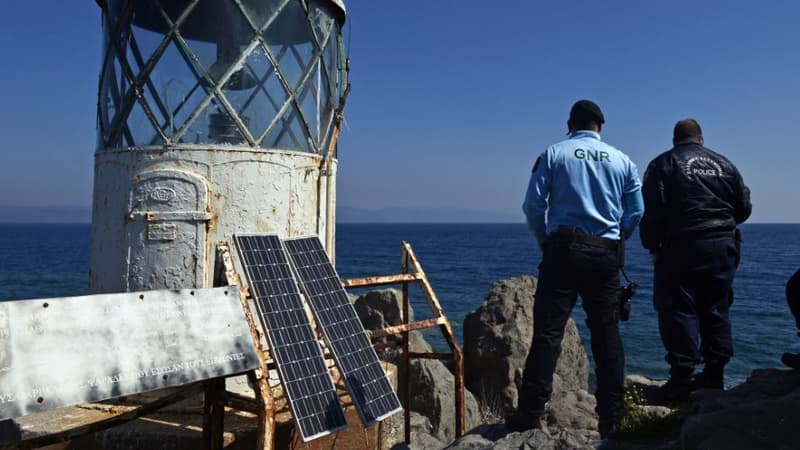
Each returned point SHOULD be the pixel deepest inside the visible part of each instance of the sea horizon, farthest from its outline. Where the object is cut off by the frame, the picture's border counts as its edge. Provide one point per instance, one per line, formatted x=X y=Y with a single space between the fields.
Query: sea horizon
x=462 y=261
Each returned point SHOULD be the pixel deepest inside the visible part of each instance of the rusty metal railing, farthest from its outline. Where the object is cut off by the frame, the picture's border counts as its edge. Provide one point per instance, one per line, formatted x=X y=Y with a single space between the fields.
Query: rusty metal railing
x=411 y=272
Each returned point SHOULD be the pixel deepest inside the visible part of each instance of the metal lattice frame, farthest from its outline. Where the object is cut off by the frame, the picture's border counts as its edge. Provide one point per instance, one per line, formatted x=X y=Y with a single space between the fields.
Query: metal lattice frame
x=114 y=130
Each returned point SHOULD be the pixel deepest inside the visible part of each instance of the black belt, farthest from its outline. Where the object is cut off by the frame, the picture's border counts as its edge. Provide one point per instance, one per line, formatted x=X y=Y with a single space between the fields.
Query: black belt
x=569 y=235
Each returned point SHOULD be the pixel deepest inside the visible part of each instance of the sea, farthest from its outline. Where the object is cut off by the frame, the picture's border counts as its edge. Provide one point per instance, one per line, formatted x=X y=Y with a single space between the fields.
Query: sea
x=462 y=261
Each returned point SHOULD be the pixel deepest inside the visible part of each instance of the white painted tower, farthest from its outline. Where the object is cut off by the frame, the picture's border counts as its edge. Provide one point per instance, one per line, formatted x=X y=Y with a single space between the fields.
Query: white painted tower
x=214 y=117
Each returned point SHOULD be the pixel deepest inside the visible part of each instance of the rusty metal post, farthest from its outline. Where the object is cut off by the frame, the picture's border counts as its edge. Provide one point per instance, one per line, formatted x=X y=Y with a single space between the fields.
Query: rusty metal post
x=447 y=330
x=265 y=434
x=458 y=360
x=379 y=280
x=404 y=361
x=406 y=327
x=214 y=414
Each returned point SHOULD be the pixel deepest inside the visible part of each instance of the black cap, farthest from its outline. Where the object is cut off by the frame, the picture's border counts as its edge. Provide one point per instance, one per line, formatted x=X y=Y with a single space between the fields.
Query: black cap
x=586 y=110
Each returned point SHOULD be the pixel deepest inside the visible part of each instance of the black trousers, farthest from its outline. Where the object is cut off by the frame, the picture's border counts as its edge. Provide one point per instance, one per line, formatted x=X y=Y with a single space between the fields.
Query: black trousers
x=692 y=295
x=566 y=271
x=793 y=296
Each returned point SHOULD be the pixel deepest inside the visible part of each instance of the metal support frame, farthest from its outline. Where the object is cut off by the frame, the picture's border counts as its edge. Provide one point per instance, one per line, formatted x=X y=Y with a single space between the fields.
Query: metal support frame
x=264 y=405
x=216 y=398
x=411 y=271
x=214 y=414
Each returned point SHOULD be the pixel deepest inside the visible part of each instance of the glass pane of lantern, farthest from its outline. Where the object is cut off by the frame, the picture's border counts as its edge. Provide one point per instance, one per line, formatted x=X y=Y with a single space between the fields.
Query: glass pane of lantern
x=140 y=127
x=149 y=14
x=290 y=135
x=330 y=93
x=321 y=15
x=181 y=93
x=142 y=46
x=109 y=98
x=259 y=12
x=197 y=132
x=266 y=98
x=292 y=29
x=158 y=112
x=115 y=87
x=308 y=97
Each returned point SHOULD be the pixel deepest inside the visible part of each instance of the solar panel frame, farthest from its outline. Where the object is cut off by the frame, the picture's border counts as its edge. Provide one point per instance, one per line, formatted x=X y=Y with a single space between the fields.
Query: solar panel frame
x=347 y=340
x=292 y=340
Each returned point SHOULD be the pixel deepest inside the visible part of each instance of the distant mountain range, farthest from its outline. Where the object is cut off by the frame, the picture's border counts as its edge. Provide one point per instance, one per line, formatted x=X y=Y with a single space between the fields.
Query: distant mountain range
x=344 y=214
x=347 y=214
x=45 y=214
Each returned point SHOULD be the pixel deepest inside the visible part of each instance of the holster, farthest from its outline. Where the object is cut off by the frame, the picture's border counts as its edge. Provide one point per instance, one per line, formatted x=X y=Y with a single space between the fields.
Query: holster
x=625 y=293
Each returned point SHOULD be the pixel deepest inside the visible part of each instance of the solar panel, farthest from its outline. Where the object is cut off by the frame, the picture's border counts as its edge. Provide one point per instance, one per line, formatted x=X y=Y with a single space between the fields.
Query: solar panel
x=351 y=348
x=306 y=380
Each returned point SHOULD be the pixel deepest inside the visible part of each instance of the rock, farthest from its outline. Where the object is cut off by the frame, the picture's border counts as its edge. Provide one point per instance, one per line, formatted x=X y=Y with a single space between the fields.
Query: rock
x=760 y=413
x=421 y=437
x=432 y=395
x=471 y=442
x=534 y=439
x=420 y=424
x=490 y=432
x=381 y=308
x=653 y=412
x=498 y=336
x=645 y=391
x=421 y=442
x=572 y=409
x=642 y=381
x=424 y=441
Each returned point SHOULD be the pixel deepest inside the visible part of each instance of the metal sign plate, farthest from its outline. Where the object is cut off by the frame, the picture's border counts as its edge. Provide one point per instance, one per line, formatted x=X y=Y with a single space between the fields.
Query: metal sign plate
x=65 y=351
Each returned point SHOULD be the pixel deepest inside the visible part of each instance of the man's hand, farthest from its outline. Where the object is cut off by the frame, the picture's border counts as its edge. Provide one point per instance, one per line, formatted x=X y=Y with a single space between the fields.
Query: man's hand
x=654 y=257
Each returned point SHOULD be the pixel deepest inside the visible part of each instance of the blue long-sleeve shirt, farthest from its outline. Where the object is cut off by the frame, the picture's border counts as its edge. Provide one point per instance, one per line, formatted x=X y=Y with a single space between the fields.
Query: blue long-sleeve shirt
x=585 y=183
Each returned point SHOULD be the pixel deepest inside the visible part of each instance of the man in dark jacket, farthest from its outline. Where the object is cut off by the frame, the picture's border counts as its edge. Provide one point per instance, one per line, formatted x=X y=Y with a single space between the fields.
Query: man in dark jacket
x=793 y=299
x=694 y=199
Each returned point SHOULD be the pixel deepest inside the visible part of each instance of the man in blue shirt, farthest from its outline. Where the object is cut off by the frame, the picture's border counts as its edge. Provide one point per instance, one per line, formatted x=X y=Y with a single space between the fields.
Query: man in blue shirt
x=583 y=199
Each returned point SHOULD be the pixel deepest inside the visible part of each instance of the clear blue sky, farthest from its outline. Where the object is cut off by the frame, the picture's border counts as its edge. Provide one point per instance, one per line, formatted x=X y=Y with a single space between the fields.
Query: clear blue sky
x=452 y=101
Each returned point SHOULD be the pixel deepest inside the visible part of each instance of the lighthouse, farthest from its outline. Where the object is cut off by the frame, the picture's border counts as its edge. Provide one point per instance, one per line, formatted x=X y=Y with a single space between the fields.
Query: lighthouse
x=214 y=117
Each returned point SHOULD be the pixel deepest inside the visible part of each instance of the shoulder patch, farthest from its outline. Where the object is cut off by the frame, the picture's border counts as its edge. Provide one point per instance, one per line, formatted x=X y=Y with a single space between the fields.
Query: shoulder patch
x=536 y=164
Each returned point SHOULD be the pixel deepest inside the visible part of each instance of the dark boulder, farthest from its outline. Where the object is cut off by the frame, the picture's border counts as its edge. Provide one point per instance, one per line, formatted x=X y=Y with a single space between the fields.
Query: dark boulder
x=497 y=337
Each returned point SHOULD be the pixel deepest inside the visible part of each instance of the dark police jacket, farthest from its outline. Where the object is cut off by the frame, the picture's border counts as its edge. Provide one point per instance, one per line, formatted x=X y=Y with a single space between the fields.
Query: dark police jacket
x=690 y=192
